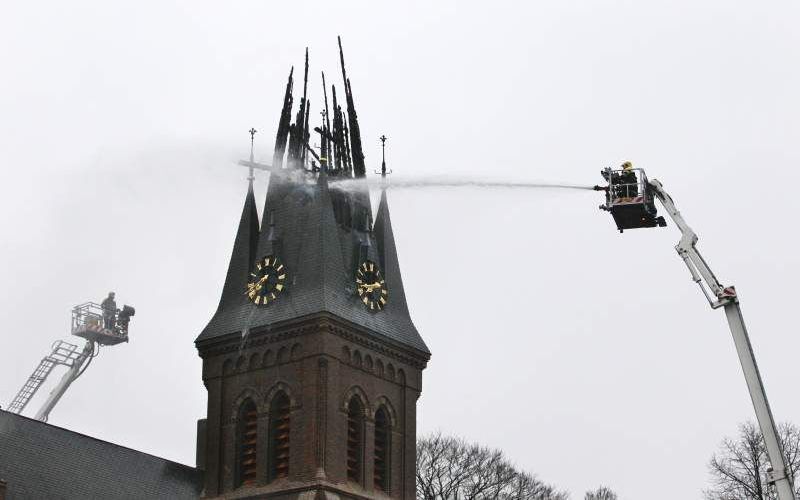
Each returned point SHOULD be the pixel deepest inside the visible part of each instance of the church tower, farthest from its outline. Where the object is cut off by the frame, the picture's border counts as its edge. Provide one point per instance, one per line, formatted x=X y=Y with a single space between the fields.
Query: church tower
x=312 y=364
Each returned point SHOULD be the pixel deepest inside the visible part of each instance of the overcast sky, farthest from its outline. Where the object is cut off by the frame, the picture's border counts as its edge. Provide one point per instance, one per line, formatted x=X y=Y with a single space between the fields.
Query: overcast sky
x=588 y=356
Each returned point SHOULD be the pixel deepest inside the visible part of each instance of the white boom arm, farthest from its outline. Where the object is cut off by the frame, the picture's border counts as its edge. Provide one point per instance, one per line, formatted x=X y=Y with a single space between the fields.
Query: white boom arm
x=68 y=378
x=725 y=297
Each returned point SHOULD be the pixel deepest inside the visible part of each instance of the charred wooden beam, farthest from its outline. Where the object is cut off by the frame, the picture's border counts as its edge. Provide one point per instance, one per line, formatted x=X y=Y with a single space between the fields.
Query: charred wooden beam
x=355 y=133
x=284 y=123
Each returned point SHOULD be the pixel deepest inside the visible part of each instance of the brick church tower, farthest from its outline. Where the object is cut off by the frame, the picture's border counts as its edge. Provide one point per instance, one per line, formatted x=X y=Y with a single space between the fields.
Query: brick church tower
x=312 y=364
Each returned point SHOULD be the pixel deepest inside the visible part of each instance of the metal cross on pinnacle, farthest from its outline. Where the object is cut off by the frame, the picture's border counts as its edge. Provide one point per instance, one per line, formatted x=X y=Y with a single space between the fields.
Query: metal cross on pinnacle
x=383 y=171
x=252 y=176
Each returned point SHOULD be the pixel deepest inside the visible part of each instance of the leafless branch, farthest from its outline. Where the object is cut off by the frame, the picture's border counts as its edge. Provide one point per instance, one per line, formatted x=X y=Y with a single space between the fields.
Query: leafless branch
x=449 y=468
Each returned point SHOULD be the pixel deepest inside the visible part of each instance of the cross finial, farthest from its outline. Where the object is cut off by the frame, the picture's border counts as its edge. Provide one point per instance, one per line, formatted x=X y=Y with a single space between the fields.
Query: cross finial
x=252 y=140
x=383 y=171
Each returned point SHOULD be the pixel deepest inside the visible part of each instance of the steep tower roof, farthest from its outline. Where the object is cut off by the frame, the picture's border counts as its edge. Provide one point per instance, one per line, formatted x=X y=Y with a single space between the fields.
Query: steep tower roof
x=387 y=252
x=243 y=255
x=320 y=277
x=321 y=234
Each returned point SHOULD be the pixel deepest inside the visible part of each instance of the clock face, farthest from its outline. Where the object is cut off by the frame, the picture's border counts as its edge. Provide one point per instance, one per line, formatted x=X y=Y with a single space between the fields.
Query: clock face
x=267 y=280
x=371 y=286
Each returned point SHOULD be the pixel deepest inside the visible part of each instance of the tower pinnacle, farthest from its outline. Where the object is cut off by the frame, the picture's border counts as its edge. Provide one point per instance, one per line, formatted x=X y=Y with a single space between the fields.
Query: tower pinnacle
x=383 y=171
x=252 y=176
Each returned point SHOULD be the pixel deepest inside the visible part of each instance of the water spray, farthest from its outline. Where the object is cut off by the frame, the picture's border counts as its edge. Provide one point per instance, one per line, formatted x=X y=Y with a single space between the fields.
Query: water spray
x=401 y=183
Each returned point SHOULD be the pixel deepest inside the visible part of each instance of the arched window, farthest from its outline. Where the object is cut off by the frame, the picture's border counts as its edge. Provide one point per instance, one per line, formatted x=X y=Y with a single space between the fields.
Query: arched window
x=247 y=438
x=278 y=460
x=383 y=446
x=355 y=439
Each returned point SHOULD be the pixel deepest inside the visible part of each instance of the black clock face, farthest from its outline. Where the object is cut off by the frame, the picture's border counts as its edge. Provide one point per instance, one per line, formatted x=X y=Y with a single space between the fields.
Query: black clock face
x=371 y=286
x=267 y=280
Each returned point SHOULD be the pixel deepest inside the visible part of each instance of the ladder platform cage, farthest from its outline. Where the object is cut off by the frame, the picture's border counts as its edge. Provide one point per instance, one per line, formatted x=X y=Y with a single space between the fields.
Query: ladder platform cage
x=630 y=200
x=91 y=322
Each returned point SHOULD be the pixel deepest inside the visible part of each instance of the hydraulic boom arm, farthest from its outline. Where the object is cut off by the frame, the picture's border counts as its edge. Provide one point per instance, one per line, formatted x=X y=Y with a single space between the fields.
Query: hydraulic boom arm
x=726 y=298
x=73 y=373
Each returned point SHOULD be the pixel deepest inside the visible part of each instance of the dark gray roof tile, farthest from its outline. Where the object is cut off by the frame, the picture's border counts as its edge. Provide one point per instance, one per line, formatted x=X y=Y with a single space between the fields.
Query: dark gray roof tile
x=40 y=460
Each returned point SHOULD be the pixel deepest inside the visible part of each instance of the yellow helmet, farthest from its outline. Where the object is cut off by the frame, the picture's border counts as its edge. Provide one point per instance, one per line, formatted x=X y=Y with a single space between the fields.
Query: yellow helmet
x=627 y=165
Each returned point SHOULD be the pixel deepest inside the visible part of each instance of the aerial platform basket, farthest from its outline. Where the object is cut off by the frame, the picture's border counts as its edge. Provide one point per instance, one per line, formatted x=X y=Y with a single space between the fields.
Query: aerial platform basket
x=90 y=323
x=630 y=200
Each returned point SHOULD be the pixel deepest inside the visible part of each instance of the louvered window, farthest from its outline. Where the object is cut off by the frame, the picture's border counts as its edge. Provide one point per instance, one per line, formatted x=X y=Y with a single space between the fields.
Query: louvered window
x=247 y=439
x=279 y=437
x=355 y=439
x=383 y=438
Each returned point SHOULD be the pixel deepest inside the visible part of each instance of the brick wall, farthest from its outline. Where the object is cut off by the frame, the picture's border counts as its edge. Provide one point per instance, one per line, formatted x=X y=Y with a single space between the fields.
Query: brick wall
x=320 y=364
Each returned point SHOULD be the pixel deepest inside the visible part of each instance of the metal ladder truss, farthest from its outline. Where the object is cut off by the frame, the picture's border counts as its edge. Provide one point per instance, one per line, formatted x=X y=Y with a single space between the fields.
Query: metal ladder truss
x=63 y=353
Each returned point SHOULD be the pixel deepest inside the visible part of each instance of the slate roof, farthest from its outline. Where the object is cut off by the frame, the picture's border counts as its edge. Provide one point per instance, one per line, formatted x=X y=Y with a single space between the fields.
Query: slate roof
x=39 y=460
x=319 y=256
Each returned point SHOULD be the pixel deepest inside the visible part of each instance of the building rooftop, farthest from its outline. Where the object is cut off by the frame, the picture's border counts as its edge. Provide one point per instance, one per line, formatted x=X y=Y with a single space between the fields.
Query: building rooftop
x=39 y=460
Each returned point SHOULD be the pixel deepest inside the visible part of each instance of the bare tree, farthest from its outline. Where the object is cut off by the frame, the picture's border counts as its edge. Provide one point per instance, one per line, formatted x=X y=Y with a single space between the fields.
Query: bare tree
x=450 y=468
x=601 y=493
x=740 y=469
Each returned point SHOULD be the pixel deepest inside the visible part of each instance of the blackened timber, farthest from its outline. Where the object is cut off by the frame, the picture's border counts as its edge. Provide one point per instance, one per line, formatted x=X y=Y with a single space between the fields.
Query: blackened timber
x=304 y=128
x=324 y=153
x=326 y=127
x=297 y=131
x=338 y=139
x=348 y=157
x=296 y=136
x=306 y=134
x=284 y=123
x=359 y=169
x=305 y=78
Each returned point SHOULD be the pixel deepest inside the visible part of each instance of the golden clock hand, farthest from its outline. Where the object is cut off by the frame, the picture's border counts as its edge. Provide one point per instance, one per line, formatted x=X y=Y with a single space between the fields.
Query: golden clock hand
x=372 y=287
x=254 y=287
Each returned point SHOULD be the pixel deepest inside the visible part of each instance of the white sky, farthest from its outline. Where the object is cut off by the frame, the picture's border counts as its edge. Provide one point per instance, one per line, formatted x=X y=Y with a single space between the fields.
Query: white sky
x=588 y=356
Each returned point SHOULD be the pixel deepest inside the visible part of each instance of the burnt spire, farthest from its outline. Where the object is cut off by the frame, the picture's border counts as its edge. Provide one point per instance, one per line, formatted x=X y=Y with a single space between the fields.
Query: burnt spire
x=320 y=235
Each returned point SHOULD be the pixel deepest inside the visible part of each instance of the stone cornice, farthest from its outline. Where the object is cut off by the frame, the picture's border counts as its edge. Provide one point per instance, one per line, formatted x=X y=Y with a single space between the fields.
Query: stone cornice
x=311 y=324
